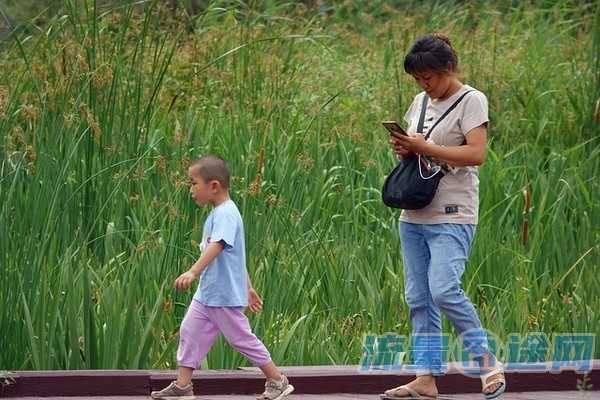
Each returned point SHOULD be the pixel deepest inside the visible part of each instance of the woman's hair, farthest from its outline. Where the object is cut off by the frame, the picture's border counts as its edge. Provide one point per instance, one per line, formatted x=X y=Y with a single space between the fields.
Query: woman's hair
x=431 y=53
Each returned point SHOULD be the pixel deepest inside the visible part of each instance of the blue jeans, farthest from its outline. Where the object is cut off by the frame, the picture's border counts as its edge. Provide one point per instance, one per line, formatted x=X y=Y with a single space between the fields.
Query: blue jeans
x=434 y=260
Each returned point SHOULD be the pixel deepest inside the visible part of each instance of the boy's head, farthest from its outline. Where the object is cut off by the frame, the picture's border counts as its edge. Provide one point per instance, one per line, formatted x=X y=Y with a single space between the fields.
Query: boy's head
x=209 y=179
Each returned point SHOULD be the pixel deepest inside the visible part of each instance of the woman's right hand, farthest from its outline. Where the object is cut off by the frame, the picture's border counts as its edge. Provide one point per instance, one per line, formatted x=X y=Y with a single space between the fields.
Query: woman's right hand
x=398 y=149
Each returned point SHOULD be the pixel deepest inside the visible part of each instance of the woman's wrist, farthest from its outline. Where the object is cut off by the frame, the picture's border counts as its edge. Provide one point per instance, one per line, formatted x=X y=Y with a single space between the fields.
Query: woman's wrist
x=430 y=150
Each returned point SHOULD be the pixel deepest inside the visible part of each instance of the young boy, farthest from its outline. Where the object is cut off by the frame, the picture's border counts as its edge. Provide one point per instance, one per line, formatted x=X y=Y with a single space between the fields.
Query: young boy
x=224 y=290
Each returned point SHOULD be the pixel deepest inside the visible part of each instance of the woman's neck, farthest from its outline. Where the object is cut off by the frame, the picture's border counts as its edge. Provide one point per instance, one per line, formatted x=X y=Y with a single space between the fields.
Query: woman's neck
x=453 y=87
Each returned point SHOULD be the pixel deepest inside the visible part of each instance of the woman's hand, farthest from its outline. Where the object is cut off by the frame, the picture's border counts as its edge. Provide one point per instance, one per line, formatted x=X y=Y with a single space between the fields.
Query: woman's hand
x=398 y=149
x=414 y=143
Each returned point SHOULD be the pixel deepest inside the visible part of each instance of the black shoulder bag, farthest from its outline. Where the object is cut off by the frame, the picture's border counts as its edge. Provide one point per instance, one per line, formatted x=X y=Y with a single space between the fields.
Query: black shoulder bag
x=413 y=182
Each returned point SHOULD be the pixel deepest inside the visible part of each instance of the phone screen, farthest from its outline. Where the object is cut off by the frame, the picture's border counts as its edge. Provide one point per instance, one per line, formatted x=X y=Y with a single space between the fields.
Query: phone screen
x=394 y=128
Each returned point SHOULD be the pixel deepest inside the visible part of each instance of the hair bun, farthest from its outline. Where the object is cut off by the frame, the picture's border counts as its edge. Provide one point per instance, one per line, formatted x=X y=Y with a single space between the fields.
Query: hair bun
x=431 y=52
x=443 y=38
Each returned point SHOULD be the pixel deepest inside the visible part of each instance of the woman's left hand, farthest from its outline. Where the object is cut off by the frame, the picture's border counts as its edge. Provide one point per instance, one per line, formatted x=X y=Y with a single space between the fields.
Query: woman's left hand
x=414 y=142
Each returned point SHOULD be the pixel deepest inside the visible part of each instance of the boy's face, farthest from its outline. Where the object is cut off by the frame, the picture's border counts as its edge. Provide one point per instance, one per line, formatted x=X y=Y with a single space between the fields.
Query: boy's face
x=202 y=192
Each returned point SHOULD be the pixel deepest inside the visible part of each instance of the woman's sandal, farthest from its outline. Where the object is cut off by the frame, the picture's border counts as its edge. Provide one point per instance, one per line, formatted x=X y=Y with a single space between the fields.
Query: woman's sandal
x=501 y=380
x=391 y=394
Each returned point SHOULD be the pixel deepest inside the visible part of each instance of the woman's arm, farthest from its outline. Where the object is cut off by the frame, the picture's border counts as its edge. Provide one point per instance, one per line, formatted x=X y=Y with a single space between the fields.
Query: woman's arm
x=470 y=154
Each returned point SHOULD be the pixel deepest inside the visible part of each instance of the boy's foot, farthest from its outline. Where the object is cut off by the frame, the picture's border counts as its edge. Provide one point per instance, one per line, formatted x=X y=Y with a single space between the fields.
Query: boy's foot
x=275 y=390
x=175 y=392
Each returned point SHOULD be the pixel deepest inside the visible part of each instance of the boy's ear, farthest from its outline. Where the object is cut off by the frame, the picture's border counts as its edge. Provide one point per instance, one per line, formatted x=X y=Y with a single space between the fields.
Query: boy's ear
x=215 y=185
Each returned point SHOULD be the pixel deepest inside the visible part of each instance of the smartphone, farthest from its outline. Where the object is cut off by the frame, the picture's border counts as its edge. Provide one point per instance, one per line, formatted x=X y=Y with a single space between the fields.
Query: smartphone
x=394 y=128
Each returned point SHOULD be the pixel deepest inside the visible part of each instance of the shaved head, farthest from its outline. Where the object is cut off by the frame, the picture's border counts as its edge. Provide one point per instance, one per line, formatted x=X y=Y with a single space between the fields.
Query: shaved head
x=211 y=168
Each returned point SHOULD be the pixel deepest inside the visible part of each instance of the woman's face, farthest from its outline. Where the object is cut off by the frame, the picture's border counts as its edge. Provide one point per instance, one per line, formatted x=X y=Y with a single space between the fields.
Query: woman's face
x=434 y=83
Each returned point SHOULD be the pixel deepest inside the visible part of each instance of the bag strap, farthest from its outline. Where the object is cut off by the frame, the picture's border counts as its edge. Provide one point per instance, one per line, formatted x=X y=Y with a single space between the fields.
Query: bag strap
x=422 y=116
x=452 y=107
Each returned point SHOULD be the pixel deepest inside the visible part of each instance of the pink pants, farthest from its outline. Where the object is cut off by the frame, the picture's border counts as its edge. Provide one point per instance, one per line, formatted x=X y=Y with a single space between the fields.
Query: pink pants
x=201 y=326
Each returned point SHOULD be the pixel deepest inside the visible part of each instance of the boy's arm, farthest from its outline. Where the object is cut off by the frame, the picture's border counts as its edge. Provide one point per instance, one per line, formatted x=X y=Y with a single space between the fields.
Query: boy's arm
x=185 y=280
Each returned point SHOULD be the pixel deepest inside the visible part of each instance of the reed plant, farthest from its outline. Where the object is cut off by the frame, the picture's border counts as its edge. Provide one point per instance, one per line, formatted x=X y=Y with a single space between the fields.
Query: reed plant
x=103 y=108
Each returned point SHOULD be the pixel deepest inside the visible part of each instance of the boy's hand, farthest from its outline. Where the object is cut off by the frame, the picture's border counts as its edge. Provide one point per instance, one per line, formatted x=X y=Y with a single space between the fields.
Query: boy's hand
x=184 y=281
x=254 y=301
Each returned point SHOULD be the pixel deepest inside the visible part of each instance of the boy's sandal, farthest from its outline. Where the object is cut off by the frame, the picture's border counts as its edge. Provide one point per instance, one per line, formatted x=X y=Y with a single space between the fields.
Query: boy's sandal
x=412 y=394
x=501 y=380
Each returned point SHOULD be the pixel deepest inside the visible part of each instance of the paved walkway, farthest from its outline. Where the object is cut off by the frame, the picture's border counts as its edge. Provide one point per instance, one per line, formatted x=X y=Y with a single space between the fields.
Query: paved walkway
x=595 y=395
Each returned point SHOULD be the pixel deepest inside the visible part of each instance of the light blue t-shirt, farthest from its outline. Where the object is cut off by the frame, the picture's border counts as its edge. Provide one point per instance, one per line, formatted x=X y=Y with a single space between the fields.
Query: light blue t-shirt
x=223 y=282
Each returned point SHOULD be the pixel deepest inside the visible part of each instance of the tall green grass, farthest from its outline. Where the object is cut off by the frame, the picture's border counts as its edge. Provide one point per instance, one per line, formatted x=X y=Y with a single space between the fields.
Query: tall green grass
x=103 y=109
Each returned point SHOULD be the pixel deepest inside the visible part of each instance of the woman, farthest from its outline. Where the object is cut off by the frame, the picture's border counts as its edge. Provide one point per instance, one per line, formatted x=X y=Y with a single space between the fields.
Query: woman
x=436 y=239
